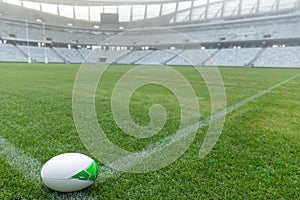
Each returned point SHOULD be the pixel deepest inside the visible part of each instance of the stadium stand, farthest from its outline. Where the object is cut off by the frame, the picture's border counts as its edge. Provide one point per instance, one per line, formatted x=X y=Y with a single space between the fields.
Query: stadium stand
x=69 y=55
x=248 y=31
x=103 y=56
x=41 y=54
x=149 y=37
x=238 y=40
x=10 y=53
x=280 y=57
x=134 y=57
x=235 y=57
x=238 y=31
x=193 y=57
x=11 y=29
x=158 y=57
x=84 y=52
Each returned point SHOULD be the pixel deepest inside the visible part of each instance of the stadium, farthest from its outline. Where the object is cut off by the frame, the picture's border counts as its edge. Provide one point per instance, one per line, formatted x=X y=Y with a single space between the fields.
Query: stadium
x=141 y=70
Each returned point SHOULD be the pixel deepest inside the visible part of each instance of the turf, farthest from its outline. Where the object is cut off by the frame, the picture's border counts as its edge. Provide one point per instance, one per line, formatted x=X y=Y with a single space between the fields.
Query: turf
x=256 y=157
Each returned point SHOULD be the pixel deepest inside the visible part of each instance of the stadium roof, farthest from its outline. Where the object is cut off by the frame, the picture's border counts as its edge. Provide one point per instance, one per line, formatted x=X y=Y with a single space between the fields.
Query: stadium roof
x=177 y=11
x=106 y=2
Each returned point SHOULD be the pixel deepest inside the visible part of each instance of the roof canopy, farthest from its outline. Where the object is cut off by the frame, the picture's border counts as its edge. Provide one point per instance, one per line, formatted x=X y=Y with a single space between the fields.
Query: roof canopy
x=140 y=11
x=106 y=2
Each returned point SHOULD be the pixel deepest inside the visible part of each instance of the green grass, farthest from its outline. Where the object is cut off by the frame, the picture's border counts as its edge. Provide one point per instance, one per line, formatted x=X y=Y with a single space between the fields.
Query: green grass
x=256 y=157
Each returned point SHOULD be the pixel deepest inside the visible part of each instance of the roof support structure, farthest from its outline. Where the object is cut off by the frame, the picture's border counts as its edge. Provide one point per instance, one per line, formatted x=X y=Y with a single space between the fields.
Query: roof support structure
x=89 y=13
x=240 y=7
x=74 y=13
x=223 y=8
x=161 y=9
x=191 y=11
x=176 y=11
x=206 y=9
x=105 y=2
x=131 y=13
x=297 y=4
x=277 y=5
x=58 y=12
x=145 y=11
x=258 y=6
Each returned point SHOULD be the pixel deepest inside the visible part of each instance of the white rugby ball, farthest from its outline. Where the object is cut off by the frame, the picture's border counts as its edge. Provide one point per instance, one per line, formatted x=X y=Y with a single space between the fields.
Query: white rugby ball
x=69 y=172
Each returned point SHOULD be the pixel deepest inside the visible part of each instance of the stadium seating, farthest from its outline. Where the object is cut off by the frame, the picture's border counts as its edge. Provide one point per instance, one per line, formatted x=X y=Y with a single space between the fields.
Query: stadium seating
x=18 y=30
x=133 y=57
x=84 y=52
x=38 y=54
x=39 y=32
x=193 y=57
x=69 y=55
x=10 y=53
x=102 y=56
x=235 y=57
x=158 y=57
x=230 y=55
x=280 y=57
x=247 y=31
x=275 y=29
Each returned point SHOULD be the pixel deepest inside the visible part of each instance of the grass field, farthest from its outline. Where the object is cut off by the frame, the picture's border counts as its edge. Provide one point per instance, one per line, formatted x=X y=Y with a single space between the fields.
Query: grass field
x=256 y=157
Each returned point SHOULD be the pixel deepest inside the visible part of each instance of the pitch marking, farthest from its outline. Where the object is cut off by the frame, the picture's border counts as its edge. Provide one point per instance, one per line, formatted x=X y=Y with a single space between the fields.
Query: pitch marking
x=108 y=172
x=30 y=169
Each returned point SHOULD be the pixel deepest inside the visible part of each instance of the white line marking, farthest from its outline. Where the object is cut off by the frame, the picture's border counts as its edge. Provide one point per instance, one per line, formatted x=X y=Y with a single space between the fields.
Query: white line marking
x=204 y=150
x=30 y=169
x=108 y=172
x=28 y=166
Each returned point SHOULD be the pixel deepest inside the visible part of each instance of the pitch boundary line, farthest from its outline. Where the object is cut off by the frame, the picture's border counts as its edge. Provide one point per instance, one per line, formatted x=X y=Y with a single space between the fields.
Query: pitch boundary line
x=108 y=172
x=30 y=169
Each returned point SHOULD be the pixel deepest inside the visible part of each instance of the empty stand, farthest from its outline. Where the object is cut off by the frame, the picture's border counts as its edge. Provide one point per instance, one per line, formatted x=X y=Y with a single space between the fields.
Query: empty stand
x=158 y=57
x=133 y=57
x=280 y=57
x=9 y=53
x=235 y=57
x=41 y=54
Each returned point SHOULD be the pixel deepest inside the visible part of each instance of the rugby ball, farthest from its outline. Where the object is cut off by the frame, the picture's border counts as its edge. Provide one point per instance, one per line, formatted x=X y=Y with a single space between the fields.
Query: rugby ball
x=69 y=172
